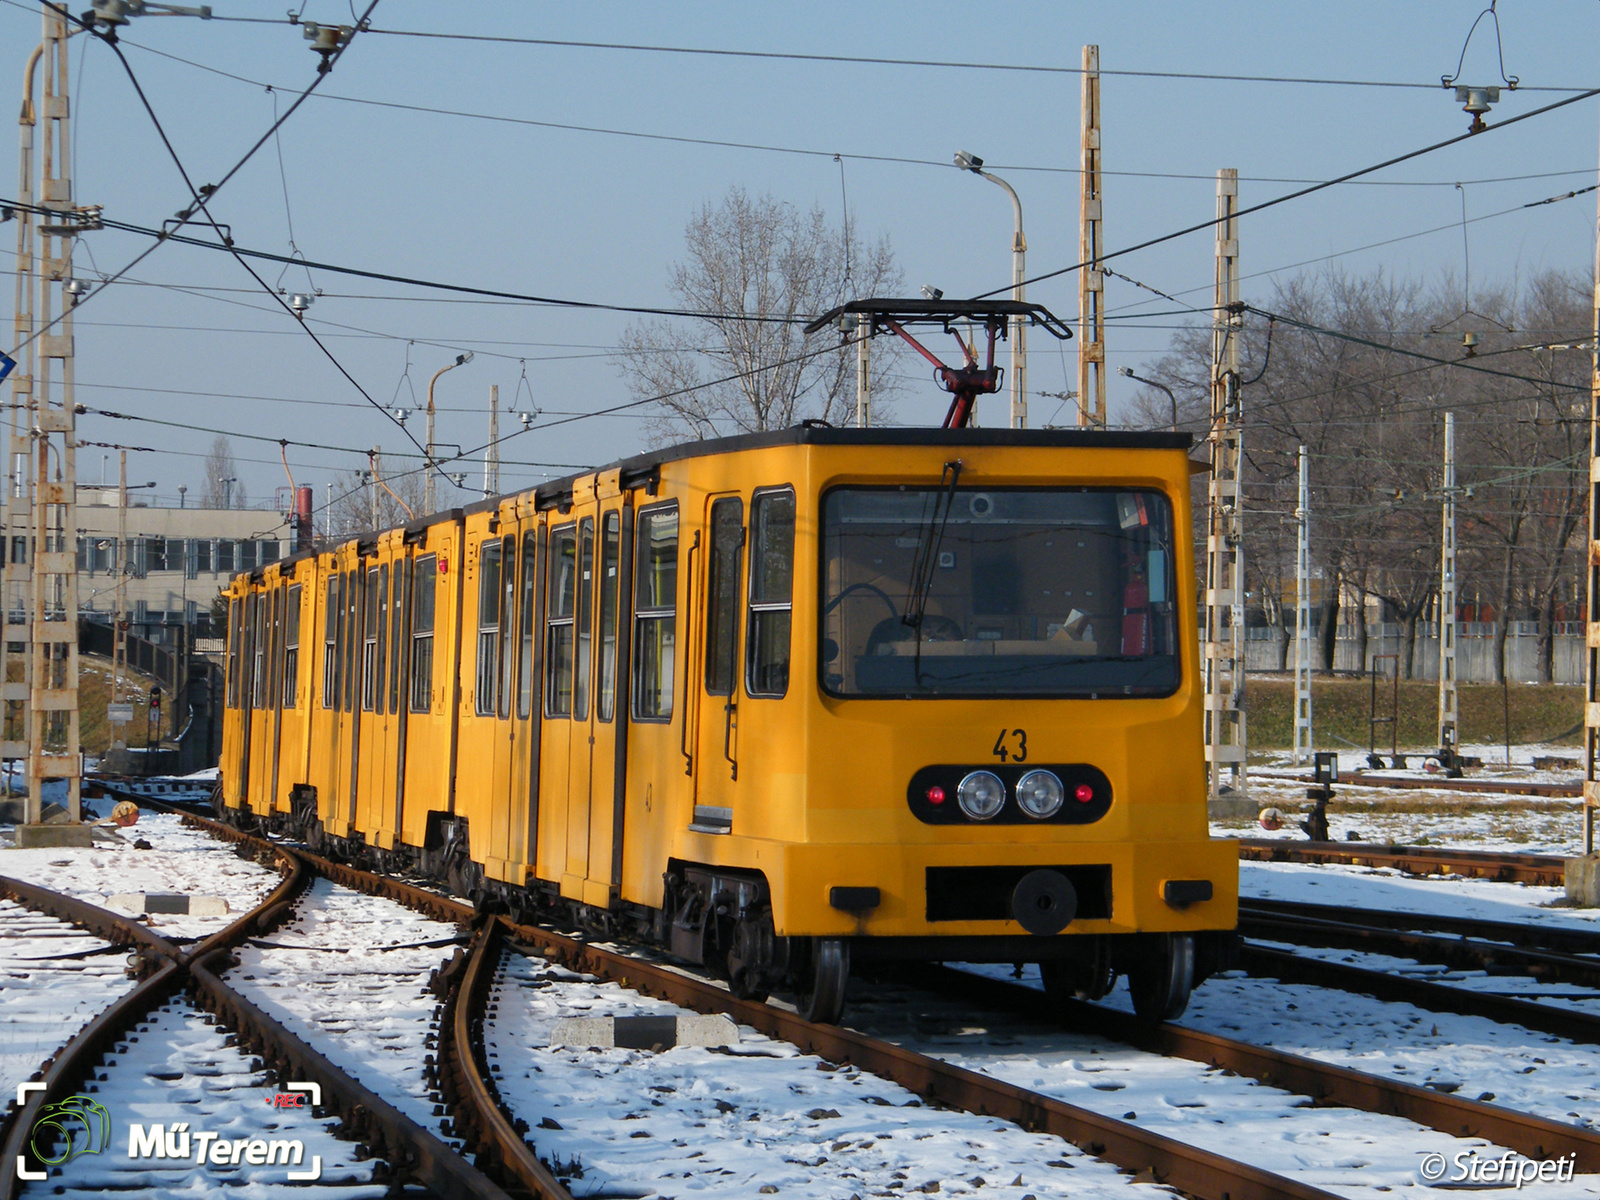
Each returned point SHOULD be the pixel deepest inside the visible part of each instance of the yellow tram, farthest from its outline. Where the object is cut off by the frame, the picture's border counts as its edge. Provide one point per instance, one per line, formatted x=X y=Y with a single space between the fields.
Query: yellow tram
x=776 y=703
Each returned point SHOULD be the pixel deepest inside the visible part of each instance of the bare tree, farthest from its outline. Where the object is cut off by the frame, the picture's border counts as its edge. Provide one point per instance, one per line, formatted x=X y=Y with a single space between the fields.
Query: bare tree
x=398 y=486
x=758 y=268
x=222 y=487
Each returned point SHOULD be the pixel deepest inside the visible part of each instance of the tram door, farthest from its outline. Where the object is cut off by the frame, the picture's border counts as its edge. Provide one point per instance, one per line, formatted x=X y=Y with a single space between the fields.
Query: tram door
x=714 y=662
x=503 y=854
x=604 y=722
x=384 y=722
x=339 y=813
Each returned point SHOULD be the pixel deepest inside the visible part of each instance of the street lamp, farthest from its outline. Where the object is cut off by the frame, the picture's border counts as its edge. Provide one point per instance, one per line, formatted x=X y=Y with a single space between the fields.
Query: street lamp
x=427 y=498
x=227 y=482
x=1128 y=371
x=1019 y=326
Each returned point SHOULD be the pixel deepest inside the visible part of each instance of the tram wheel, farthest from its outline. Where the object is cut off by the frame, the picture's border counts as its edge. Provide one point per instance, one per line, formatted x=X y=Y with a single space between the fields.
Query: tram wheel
x=1088 y=976
x=1162 y=976
x=823 y=999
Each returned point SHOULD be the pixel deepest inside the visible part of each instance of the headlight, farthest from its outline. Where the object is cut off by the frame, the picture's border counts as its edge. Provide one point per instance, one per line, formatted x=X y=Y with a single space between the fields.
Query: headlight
x=981 y=795
x=1040 y=794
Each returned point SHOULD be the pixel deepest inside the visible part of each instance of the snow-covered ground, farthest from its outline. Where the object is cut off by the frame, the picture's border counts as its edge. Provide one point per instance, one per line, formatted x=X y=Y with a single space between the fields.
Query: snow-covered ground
x=54 y=979
x=349 y=976
x=183 y=860
x=757 y=1118
x=1434 y=815
x=177 y=1069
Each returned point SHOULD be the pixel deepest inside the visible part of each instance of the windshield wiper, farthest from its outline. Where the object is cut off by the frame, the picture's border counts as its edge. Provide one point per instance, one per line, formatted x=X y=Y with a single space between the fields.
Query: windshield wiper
x=926 y=560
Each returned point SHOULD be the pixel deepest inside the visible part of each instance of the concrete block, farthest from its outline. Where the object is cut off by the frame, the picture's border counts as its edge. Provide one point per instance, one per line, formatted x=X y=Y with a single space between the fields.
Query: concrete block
x=644 y=1033
x=35 y=837
x=169 y=903
x=1583 y=881
x=1233 y=808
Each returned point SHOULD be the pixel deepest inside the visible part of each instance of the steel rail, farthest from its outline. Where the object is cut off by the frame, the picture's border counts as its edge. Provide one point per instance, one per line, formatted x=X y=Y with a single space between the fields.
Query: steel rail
x=409 y=1148
x=1460 y=952
x=1413 y=860
x=1554 y=791
x=1326 y=1084
x=461 y=1069
x=1190 y=1169
x=1538 y=936
x=1569 y=1023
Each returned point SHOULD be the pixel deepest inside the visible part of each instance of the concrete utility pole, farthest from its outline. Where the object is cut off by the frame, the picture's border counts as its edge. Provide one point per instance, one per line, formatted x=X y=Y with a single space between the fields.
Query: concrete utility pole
x=119 y=631
x=44 y=429
x=863 y=377
x=491 y=452
x=1091 y=280
x=1591 y=612
x=1304 y=745
x=1223 y=667
x=376 y=463
x=1449 y=739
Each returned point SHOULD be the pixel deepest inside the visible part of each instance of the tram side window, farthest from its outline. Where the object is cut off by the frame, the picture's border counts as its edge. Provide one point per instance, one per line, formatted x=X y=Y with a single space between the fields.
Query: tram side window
x=291 y=644
x=655 y=623
x=581 y=673
x=235 y=635
x=422 y=606
x=488 y=627
x=771 y=593
x=508 y=625
x=369 y=643
x=352 y=638
x=259 y=626
x=722 y=605
x=563 y=592
x=525 y=652
x=330 y=641
x=610 y=564
x=402 y=578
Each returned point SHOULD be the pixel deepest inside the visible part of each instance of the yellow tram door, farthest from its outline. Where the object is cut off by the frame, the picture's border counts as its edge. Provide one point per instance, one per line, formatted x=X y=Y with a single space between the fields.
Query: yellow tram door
x=602 y=848
x=338 y=809
x=568 y=692
x=372 y=716
x=504 y=853
x=433 y=573
x=263 y=724
x=714 y=666
x=384 y=768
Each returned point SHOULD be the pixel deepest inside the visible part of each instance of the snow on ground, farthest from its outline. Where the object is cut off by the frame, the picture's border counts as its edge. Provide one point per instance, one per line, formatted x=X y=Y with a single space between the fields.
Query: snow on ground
x=349 y=976
x=46 y=996
x=1346 y=1151
x=1350 y=886
x=181 y=859
x=758 y=1118
x=177 y=1069
x=1426 y=816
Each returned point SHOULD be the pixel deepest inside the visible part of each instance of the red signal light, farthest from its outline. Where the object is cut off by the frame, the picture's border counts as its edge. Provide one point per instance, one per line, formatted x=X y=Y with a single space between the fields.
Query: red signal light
x=935 y=794
x=1083 y=793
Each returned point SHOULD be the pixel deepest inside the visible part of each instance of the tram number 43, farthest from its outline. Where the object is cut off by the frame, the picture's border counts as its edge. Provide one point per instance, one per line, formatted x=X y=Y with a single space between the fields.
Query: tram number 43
x=1012 y=745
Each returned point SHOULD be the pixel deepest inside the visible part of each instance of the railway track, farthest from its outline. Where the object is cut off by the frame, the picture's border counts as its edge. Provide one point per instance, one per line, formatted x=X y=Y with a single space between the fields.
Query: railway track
x=1324 y=1083
x=500 y=1139
x=1559 y=791
x=166 y=969
x=1539 y=869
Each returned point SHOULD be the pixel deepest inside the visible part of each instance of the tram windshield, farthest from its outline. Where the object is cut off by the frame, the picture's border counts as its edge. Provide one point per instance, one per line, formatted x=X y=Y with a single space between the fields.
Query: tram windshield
x=959 y=591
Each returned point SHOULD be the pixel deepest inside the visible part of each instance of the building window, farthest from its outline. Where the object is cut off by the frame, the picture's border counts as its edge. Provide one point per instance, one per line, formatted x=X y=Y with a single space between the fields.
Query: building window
x=422 y=605
x=155 y=553
x=225 y=556
x=771 y=593
x=202 y=555
x=610 y=566
x=247 y=555
x=489 y=564
x=291 y=651
x=330 y=645
x=530 y=581
x=722 y=605
x=269 y=551
x=562 y=591
x=655 y=626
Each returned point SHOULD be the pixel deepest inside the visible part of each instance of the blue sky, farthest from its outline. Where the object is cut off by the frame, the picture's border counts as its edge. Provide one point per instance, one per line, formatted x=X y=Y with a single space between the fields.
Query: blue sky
x=597 y=216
